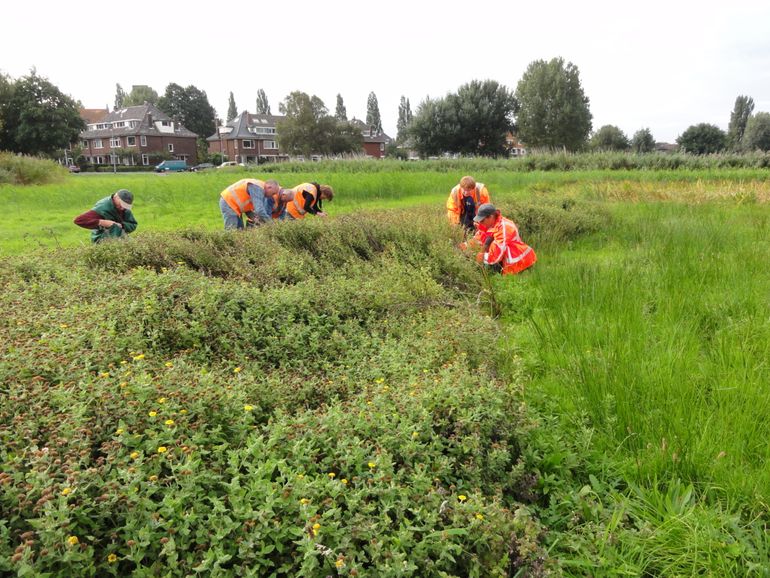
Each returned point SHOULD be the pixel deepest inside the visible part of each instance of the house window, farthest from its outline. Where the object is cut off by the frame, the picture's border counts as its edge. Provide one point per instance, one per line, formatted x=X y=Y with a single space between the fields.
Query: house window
x=99 y=160
x=270 y=144
x=170 y=147
x=130 y=141
x=145 y=160
x=84 y=144
x=118 y=124
x=382 y=147
x=143 y=140
x=97 y=143
x=165 y=123
x=248 y=144
x=115 y=142
x=133 y=124
x=102 y=126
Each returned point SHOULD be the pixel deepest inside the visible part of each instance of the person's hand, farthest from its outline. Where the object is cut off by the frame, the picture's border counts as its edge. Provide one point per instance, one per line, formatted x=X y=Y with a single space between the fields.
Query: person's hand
x=107 y=223
x=321 y=214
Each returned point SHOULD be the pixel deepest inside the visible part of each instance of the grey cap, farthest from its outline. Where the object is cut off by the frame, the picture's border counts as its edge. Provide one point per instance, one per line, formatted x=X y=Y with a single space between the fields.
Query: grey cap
x=485 y=210
x=126 y=196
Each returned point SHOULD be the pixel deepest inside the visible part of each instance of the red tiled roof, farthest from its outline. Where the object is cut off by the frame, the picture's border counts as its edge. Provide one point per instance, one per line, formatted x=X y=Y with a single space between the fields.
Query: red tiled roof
x=92 y=115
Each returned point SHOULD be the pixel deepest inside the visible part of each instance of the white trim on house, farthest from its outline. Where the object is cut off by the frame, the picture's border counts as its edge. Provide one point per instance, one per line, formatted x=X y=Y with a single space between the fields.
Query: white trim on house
x=115 y=142
x=269 y=145
x=248 y=144
x=143 y=140
x=97 y=143
x=170 y=147
x=146 y=160
x=130 y=141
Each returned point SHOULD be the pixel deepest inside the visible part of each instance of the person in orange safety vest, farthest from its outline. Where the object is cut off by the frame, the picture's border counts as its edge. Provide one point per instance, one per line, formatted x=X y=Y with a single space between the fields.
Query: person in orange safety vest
x=308 y=198
x=464 y=200
x=504 y=251
x=247 y=197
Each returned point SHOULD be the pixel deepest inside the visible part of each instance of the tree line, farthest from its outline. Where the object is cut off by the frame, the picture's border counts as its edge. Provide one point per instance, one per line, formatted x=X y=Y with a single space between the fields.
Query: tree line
x=547 y=110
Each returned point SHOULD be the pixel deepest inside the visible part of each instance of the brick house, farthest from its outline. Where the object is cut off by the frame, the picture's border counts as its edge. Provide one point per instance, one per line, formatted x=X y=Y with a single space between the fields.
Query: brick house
x=249 y=138
x=136 y=135
x=374 y=142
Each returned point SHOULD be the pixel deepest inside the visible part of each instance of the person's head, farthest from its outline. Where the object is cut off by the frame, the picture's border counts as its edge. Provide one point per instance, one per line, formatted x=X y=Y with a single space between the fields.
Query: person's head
x=327 y=193
x=285 y=195
x=486 y=215
x=123 y=199
x=272 y=187
x=467 y=184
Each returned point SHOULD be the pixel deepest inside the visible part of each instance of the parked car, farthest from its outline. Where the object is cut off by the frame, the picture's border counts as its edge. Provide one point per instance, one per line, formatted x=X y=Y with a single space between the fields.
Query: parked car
x=74 y=168
x=171 y=166
x=230 y=164
x=202 y=167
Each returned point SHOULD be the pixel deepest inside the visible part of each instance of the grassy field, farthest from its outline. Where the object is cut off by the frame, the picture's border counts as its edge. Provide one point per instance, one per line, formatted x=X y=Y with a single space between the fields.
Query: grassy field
x=41 y=216
x=613 y=417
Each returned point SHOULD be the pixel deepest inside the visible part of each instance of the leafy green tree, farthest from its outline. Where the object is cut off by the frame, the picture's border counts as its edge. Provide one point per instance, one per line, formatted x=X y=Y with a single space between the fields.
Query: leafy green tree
x=199 y=116
x=190 y=106
x=120 y=97
x=6 y=92
x=140 y=94
x=402 y=125
x=474 y=120
x=263 y=107
x=702 y=139
x=307 y=128
x=610 y=138
x=434 y=129
x=554 y=110
x=744 y=106
x=38 y=118
x=757 y=134
x=373 y=119
x=232 y=110
x=643 y=142
x=341 y=113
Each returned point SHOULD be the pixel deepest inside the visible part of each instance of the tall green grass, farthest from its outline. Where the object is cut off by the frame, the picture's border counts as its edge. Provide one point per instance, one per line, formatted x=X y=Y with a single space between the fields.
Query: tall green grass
x=26 y=170
x=659 y=331
x=41 y=216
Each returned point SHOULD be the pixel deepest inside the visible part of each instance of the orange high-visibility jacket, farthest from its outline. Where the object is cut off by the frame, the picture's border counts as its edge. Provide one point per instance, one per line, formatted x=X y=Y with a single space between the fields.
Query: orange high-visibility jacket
x=296 y=208
x=278 y=206
x=454 y=204
x=507 y=248
x=237 y=195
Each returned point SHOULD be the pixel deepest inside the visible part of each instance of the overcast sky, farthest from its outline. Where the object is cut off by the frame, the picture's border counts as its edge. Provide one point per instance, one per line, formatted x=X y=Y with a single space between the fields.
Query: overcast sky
x=659 y=64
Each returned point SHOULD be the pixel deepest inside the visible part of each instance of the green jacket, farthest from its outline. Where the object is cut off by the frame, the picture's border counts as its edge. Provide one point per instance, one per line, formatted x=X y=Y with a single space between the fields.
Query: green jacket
x=107 y=210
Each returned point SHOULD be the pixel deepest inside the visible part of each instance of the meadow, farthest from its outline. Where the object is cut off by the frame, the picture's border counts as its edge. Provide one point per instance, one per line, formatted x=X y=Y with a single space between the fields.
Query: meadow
x=352 y=396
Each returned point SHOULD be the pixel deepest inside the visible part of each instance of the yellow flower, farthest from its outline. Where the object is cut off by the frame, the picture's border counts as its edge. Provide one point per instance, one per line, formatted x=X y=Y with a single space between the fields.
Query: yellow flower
x=161 y=400
x=379 y=380
x=237 y=370
x=479 y=516
x=183 y=411
x=73 y=540
x=66 y=491
x=344 y=482
x=340 y=562
x=169 y=364
x=462 y=497
x=316 y=526
x=248 y=407
x=104 y=374
x=169 y=422
x=138 y=357
x=112 y=558
x=124 y=384
x=134 y=455
x=119 y=431
x=331 y=475
x=64 y=326
x=415 y=434
x=123 y=362
x=300 y=476
x=153 y=478
x=153 y=413
x=304 y=501
x=372 y=465
x=162 y=449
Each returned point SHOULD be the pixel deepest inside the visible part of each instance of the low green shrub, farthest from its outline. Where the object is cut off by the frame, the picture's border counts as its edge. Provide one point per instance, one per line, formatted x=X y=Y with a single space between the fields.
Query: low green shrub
x=24 y=170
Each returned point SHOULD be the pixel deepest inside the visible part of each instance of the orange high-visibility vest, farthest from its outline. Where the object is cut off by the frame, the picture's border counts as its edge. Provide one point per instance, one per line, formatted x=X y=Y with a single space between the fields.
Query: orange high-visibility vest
x=278 y=207
x=454 y=204
x=237 y=195
x=296 y=208
x=508 y=249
